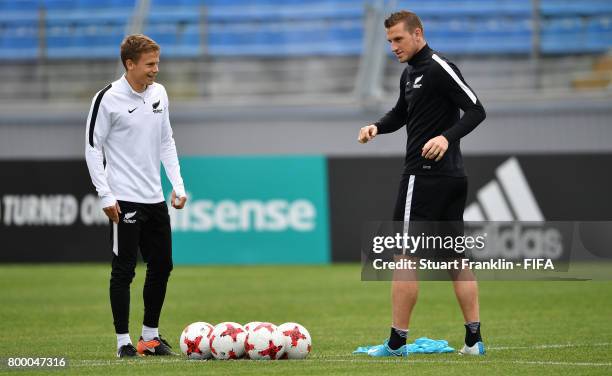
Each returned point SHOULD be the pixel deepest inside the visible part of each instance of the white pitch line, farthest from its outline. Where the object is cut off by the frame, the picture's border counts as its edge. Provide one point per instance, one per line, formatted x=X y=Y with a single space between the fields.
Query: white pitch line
x=97 y=363
x=449 y=361
x=359 y=359
x=551 y=346
x=585 y=364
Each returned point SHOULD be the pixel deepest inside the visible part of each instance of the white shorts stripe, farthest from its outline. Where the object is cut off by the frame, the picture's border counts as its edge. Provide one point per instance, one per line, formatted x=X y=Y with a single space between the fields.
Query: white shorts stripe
x=452 y=73
x=408 y=205
x=115 y=239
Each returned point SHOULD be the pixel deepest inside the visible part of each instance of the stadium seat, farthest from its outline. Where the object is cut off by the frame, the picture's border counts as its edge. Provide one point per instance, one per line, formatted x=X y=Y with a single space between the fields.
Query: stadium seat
x=59 y=4
x=19 y=5
x=562 y=35
x=294 y=27
x=556 y=8
x=482 y=8
x=480 y=36
x=19 y=39
x=176 y=40
x=599 y=34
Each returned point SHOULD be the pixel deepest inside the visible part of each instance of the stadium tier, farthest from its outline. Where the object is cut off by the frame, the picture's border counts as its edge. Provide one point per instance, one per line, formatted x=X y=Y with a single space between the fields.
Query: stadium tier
x=191 y=28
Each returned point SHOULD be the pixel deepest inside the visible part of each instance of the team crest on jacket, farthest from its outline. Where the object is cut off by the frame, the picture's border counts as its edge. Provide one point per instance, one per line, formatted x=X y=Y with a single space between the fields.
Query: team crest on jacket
x=417 y=83
x=155 y=106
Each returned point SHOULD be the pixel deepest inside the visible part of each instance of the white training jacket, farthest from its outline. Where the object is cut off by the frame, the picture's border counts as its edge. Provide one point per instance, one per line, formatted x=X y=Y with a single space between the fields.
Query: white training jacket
x=132 y=132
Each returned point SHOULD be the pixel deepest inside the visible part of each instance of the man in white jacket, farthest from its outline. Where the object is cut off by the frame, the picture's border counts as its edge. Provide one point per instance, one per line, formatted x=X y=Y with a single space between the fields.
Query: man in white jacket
x=128 y=136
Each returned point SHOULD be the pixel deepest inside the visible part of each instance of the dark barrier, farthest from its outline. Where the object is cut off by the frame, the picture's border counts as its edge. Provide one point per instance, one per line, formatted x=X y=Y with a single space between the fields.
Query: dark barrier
x=501 y=188
x=241 y=210
x=50 y=213
x=360 y=190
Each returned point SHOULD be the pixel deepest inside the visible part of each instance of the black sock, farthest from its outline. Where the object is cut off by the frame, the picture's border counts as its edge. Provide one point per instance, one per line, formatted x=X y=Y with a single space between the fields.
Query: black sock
x=397 y=338
x=472 y=333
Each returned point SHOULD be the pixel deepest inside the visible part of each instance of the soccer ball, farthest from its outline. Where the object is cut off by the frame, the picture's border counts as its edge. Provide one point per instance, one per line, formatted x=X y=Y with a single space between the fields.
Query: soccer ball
x=227 y=340
x=264 y=341
x=296 y=339
x=250 y=326
x=194 y=340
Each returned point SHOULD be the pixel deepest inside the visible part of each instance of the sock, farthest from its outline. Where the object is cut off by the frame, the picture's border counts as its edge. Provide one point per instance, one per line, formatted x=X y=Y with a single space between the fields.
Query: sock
x=123 y=339
x=472 y=333
x=149 y=333
x=397 y=338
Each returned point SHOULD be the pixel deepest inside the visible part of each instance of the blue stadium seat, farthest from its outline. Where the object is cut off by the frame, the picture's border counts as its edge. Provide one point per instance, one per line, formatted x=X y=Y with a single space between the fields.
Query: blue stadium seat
x=550 y=8
x=272 y=13
x=59 y=36
x=176 y=40
x=177 y=3
x=163 y=34
x=129 y=4
x=563 y=36
x=91 y=4
x=599 y=34
x=78 y=38
x=480 y=36
x=450 y=8
x=287 y=38
x=19 y=38
x=19 y=5
x=59 y=4
x=94 y=28
x=174 y=14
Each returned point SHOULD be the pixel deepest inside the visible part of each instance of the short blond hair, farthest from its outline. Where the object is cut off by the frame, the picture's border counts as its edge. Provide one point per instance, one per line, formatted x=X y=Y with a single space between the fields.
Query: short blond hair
x=411 y=21
x=135 y=45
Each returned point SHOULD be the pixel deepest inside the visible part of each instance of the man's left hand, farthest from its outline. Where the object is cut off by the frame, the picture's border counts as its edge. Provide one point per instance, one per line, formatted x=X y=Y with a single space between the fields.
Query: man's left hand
x=178 y=202
x=435 y=148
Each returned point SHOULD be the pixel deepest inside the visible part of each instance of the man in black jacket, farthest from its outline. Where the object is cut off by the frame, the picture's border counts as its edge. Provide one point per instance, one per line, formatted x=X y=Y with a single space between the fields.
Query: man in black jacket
x=434 y=184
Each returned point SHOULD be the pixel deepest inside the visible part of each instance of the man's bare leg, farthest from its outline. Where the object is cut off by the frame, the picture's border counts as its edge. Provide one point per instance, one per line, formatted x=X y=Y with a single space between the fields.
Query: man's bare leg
x=466 y=291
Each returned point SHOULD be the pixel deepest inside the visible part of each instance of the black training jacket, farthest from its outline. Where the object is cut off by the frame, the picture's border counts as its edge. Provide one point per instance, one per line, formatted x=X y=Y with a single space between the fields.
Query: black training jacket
x=432 y=91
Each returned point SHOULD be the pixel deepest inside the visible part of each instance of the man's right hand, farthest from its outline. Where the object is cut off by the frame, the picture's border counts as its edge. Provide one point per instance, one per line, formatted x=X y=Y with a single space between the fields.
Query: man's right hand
x=367 y=133
x=112 y=212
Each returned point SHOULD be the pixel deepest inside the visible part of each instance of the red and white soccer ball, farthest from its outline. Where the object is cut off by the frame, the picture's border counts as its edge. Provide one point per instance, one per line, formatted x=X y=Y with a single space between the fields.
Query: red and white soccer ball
x=248 y=327
x=296 y=339
x=264 y=342
x=195 y=339
x=227 y=341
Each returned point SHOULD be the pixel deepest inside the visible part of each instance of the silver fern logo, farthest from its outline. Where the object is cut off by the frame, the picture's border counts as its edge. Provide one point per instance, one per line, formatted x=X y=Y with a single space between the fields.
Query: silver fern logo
x=417 y=85
x=127 y=218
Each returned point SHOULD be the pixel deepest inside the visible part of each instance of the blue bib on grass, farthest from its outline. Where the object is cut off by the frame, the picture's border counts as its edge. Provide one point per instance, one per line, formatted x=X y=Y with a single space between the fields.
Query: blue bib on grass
x=421 y=345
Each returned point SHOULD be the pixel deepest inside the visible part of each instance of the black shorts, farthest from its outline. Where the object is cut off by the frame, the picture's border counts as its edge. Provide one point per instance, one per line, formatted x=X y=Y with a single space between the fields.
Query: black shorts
x=432 y=205
x=144 y=228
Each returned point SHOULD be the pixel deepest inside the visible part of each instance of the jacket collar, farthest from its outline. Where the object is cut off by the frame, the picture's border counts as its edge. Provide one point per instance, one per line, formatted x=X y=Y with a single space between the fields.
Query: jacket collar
x=422 y=56
x=128 y=88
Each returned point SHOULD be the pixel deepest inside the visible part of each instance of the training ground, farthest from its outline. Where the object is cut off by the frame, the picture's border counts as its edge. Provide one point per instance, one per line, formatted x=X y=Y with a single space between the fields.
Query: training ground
x=535 y=327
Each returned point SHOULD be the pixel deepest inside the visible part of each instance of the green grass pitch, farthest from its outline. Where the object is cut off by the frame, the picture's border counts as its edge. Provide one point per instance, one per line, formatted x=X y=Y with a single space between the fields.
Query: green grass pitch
x=537 y=328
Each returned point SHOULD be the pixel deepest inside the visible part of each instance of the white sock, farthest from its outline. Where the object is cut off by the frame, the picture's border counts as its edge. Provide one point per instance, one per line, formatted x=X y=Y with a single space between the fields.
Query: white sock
x=149 y=333
x=123 y=339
